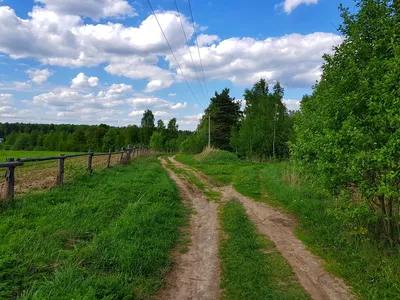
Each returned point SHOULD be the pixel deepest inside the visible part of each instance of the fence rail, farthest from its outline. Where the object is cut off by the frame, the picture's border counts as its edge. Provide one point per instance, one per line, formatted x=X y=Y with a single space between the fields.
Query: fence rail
x=12 y=163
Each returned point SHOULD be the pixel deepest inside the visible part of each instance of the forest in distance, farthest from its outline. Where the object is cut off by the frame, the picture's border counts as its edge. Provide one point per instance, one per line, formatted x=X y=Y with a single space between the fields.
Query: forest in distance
x=82 y=138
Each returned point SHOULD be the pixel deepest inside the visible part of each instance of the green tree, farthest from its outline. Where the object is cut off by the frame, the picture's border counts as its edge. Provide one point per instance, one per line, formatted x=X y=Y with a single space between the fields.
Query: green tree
x=224 y=113
x=172 y=130
x=160 y=125
x=22 y=142
x=147 y=127
x=265 y=130
x=348 y=131
x=156 y=141
x=132 y=134
x=109 y=140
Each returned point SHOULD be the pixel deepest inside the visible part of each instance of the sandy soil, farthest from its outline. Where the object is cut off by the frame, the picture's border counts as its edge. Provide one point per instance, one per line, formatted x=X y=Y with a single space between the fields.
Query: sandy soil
x=196 y=273
x=279 y=228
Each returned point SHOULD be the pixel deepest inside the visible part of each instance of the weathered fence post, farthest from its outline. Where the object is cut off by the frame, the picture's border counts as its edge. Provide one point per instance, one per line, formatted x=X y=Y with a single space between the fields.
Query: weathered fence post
x=90 y=159
x=128 y=153
x=60 y=176
x=10 y=179
x=122 y=154
x=109 y=158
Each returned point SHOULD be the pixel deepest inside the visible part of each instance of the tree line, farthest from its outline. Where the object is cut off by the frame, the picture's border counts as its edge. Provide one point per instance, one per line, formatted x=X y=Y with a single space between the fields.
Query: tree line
x=81 y=138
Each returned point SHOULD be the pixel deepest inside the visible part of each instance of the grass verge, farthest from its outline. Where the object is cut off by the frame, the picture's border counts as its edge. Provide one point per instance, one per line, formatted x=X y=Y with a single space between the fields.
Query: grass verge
x=372 y=269
x=107 y=236
x=251 y=266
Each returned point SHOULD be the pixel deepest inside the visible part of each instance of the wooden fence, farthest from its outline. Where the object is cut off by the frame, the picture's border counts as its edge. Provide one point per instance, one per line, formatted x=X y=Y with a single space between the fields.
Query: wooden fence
x=12 y=163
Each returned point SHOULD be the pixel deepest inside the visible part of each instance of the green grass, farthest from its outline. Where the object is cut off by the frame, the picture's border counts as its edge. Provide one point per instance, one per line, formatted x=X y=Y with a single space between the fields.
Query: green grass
x=251 y=266
x=213 y=195
x=214 y=156
x=193 y=179
x=370 y=267
x=4 y=154
x=107 y=236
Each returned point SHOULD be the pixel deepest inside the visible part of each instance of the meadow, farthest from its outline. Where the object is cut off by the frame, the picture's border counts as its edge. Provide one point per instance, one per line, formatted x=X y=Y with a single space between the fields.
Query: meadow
x=86 y=240
x=4 y=154
x=42 y=175
x=372 y=268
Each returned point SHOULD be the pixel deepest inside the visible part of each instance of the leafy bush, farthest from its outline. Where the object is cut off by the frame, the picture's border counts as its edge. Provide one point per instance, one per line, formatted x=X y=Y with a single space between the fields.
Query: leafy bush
x=348 y=131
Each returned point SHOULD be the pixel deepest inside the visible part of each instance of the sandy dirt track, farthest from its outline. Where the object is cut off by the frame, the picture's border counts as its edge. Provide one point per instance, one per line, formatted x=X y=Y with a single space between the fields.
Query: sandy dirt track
x=279 y=228
x=196 y=274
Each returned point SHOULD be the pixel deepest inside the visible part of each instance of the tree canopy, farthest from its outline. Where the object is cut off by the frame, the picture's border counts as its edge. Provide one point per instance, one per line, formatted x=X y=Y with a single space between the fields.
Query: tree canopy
x=265 y=129
x=348 y=131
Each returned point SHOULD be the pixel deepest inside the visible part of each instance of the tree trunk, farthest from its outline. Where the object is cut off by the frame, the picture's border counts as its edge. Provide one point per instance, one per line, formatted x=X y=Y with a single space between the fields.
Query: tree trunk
x=384 y=215
x=390 y=218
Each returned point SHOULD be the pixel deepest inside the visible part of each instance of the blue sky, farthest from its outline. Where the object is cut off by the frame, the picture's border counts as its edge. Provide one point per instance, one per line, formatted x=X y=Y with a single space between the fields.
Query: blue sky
x=106 y=61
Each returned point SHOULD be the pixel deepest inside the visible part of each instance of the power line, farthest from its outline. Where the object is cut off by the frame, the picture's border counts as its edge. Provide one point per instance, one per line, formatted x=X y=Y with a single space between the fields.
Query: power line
x=190 y=52
x=202 y=69
x=170 y=48
x=197 y=44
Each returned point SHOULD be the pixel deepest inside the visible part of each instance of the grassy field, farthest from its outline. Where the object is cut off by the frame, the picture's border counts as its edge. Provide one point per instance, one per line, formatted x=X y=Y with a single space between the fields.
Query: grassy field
x=251 y=266
x=107 y=236
x=25 y=154
x=371 y=268
x=42 y=175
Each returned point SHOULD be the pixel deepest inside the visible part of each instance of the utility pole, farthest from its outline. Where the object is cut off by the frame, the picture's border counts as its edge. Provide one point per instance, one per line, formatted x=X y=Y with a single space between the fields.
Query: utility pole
x=209 y=130
x=273 y=143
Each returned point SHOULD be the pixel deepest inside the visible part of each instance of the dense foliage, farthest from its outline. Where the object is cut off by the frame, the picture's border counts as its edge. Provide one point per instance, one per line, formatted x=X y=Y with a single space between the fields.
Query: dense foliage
x=223 y=113
x=265 y=130
x=348 y=131
x=166 y=138
x=70 y=138
x=261 y=132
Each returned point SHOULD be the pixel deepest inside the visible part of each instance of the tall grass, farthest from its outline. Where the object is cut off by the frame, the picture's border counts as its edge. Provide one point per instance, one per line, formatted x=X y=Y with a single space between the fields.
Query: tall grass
x=106 y=236
x=251 y=266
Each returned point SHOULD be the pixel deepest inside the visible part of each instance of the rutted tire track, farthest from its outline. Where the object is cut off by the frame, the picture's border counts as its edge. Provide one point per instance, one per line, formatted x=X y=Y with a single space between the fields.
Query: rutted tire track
x=279 y=228
x=196 y=274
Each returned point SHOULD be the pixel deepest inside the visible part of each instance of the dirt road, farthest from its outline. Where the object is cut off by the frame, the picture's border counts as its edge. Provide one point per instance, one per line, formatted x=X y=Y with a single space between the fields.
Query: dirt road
x=196 y=274
x=279 y=228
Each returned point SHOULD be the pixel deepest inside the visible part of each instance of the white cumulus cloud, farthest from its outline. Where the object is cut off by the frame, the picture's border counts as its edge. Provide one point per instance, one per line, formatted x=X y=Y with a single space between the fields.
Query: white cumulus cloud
x=293 y=59
x=95 y=9
x=291 y=104
x=39 y=76
x=83 y=81
x=6 y=99
x=58 y=33
x=290 y=5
